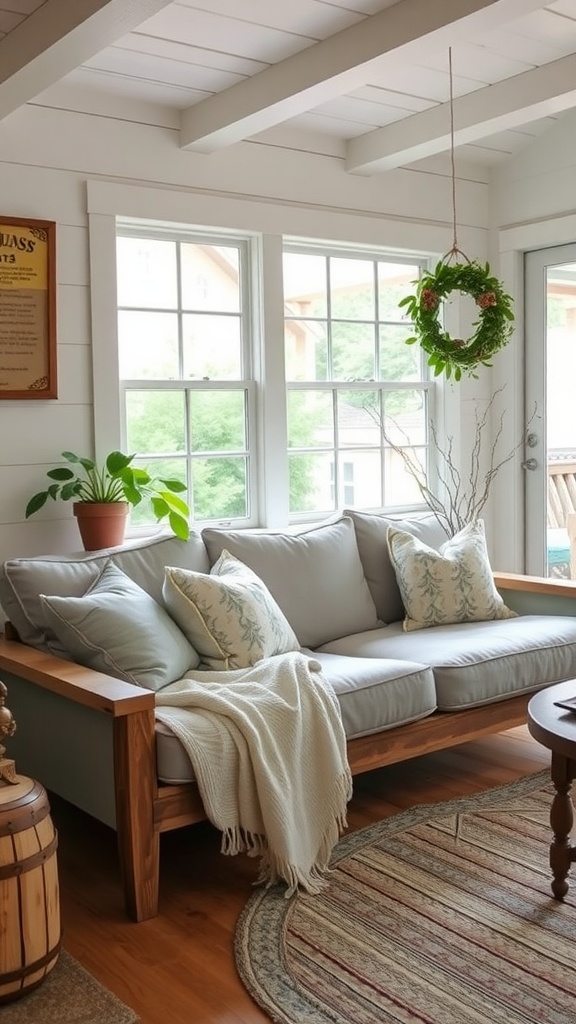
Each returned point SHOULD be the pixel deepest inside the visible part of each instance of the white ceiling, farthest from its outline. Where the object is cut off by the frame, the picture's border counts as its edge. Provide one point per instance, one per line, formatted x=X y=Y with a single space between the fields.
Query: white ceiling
x=371 y=76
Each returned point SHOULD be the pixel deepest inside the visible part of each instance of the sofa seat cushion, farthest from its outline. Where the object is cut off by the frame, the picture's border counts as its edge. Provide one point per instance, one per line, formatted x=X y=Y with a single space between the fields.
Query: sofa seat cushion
x=172 y=762
x=373 y=695
x=476 y=663
x=376 y=694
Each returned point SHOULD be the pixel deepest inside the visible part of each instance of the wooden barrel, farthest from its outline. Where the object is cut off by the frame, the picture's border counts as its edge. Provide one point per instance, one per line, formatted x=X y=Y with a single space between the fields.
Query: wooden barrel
x=30 y=933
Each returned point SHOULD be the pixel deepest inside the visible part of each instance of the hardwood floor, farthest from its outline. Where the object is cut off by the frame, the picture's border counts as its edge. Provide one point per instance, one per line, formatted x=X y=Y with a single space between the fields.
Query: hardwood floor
x=179 y=967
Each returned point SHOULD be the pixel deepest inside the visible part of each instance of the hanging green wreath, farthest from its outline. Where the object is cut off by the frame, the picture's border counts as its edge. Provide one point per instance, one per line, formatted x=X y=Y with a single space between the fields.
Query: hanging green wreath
x=493 y=327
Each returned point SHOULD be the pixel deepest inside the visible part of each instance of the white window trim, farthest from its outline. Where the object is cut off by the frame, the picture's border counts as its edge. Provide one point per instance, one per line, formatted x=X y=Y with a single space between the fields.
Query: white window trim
x=105 y=366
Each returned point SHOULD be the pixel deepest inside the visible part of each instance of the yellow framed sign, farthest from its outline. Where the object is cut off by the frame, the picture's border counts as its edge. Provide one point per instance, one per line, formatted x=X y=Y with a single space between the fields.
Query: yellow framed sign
x=27 y=308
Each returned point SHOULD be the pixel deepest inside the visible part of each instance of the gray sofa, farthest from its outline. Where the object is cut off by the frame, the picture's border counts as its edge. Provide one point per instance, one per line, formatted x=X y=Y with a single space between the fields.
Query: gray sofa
x=87 y=730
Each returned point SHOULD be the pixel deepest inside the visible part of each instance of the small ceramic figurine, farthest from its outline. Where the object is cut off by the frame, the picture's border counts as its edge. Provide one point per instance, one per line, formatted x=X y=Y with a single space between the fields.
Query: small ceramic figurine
x=7 y=728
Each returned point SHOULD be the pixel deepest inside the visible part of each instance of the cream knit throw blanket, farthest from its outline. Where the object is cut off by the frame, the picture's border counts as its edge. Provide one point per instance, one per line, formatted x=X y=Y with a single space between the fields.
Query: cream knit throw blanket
x=269 y=754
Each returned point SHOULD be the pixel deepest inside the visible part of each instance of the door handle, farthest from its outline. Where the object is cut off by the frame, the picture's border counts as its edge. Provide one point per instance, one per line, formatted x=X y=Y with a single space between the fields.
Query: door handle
x=530 y=464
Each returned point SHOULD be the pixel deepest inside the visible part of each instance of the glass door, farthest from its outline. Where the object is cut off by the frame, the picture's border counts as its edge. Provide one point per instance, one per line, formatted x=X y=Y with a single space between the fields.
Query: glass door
x=550 y=456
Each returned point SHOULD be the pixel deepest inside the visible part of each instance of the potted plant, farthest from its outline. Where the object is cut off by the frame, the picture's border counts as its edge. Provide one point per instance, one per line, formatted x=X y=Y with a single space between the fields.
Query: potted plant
x=102 y=496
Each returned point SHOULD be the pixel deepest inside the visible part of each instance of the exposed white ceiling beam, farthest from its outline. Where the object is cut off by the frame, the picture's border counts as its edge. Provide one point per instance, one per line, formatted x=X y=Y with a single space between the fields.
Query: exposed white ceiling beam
x=338 y=65
x=542 y=92
x=58 y=37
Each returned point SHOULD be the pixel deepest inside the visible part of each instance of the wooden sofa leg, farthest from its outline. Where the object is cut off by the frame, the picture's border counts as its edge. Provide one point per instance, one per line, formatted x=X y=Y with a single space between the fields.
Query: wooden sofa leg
x=138 y=839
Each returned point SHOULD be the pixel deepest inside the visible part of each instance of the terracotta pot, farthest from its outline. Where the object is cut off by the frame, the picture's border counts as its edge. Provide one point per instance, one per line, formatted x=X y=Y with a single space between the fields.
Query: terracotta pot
x=101 y=524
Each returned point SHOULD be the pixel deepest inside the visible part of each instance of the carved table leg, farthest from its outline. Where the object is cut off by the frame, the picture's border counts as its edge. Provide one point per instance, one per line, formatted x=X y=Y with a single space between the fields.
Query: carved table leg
x=561 y=821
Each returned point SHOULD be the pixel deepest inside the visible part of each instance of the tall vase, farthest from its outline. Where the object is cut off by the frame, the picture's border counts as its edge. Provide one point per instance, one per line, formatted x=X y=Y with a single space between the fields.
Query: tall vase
x=101 y=524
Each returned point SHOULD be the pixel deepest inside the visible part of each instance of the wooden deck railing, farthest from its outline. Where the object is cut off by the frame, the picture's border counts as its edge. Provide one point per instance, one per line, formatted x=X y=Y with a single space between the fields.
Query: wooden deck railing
x=561 y=492
x=562 y=502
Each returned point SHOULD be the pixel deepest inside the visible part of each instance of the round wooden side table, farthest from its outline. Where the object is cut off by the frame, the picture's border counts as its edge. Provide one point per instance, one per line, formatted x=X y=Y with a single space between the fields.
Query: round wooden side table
x=555 y=728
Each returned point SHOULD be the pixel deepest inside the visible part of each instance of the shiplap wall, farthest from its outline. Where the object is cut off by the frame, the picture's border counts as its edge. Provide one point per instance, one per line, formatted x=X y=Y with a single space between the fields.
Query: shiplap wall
x=47 y=156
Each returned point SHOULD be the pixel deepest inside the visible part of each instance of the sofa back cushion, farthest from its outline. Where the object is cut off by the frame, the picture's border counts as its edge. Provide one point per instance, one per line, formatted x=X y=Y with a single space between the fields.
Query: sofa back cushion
x=315 y=576
x=371 y=535
x=22 y=580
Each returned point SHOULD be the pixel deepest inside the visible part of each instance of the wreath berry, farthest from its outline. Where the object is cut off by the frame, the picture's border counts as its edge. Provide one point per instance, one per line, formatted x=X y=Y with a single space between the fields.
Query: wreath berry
x=492 y=329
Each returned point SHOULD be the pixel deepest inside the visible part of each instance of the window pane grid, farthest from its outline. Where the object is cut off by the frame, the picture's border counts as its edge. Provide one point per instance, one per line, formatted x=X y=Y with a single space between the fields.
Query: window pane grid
x=218 y=479
x=183 y=312
x=388 y=420
x=350 y=299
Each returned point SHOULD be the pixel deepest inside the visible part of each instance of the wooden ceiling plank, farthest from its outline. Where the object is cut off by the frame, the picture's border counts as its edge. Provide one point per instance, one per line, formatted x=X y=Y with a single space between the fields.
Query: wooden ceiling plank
x=338 y=65
x=58 y=37
x=194 y=56
x=538 y=93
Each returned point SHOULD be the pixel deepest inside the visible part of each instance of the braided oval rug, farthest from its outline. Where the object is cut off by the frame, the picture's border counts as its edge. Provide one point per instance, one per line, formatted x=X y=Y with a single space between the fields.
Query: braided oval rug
x=442 y=914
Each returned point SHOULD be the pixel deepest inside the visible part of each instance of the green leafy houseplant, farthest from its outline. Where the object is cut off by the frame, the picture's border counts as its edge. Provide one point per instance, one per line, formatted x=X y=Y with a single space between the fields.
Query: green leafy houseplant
x=116 y=481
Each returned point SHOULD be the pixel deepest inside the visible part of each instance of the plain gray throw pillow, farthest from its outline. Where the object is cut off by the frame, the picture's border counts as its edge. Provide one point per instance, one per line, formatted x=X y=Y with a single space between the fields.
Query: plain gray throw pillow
x=119 y=629
x=315 y=576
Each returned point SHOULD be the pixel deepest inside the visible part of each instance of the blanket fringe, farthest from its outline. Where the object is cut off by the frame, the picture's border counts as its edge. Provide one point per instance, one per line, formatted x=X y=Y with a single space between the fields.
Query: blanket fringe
x=237 y=840
x=312 y=880
x=273 y=870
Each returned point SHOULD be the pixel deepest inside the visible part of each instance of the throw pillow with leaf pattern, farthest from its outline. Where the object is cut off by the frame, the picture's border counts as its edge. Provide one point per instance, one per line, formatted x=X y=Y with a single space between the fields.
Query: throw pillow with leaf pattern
x=452 y=584
x=229 y=615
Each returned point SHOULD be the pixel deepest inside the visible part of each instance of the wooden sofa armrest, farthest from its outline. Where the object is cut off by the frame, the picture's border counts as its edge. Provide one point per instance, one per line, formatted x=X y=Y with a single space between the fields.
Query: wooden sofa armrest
x=535 y=584
x=537 y=595
x=68 y=679
x=131 y=711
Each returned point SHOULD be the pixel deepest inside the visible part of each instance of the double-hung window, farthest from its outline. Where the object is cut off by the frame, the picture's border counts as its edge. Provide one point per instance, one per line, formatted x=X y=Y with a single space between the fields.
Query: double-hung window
x=184 y=361
x=357 y=393
x=193 y=357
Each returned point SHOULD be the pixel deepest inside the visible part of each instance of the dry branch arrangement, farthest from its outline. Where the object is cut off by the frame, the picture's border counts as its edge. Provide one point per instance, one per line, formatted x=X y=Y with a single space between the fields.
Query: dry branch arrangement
x=459 y=496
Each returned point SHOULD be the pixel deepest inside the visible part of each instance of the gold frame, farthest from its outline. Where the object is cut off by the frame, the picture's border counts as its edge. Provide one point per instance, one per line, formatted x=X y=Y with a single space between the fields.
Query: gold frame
x=27 y=314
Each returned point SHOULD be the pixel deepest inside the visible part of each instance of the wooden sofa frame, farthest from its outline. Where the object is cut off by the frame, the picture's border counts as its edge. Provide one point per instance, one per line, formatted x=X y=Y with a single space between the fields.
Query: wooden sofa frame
x=145 y=808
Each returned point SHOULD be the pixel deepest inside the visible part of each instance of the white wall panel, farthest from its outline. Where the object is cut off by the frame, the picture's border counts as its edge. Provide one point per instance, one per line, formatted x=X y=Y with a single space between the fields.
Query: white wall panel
x=72 y=265
x=20 y=483
x=39 y=431
x=73 y=314
x=150 y=154
x=32 y=190
x=539 y=181
x=38 y=538
x=75 y=376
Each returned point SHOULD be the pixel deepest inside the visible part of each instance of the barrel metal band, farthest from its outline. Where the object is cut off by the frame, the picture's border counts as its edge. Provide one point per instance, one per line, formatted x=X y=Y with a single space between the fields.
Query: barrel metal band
x=27 y=969
x=20 y=867
x=23 y=817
